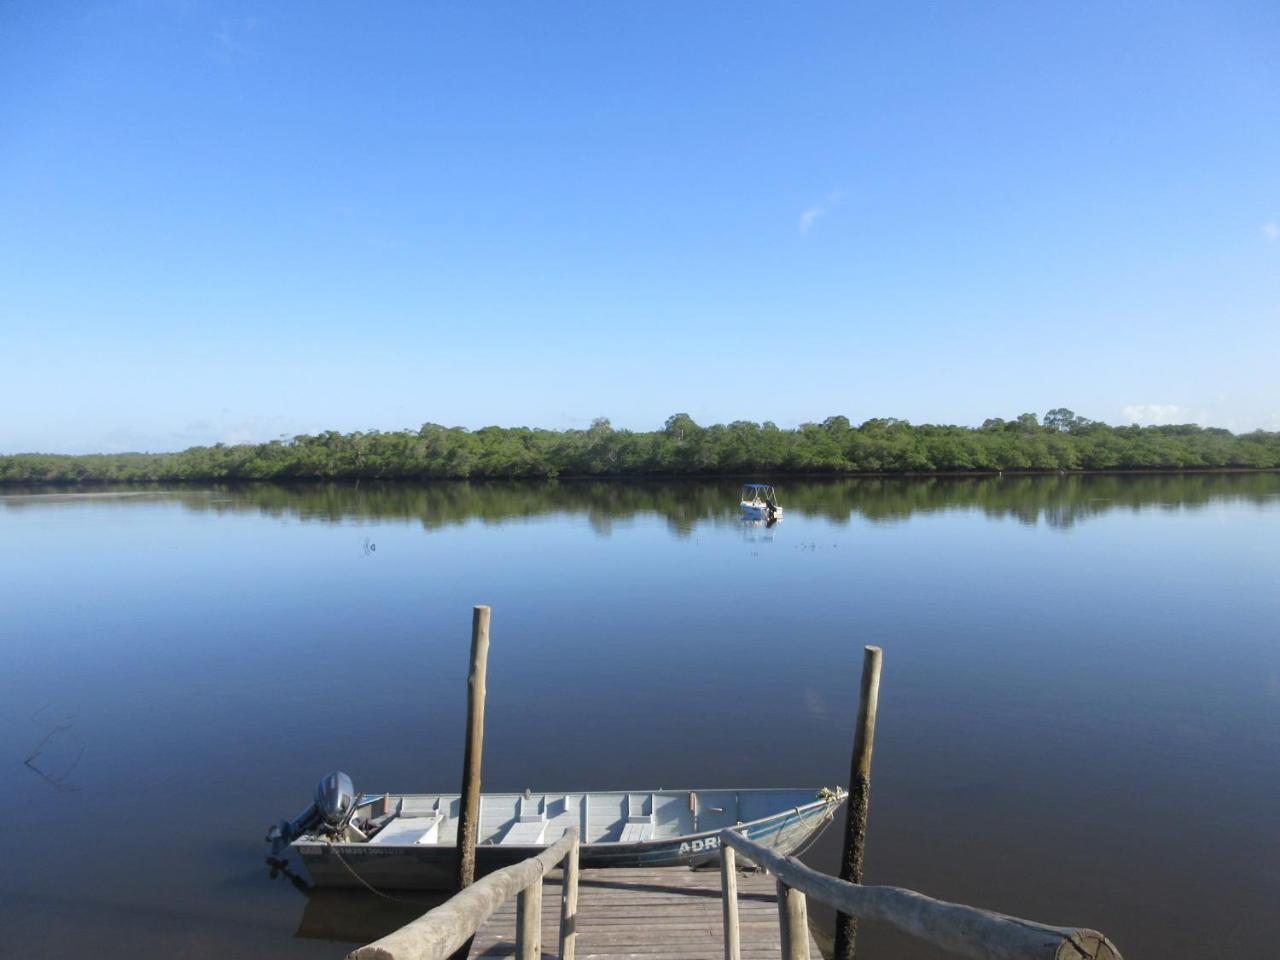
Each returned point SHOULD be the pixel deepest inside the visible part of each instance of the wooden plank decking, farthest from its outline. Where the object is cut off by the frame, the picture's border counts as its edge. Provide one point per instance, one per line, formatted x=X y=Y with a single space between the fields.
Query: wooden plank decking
x=653 y=914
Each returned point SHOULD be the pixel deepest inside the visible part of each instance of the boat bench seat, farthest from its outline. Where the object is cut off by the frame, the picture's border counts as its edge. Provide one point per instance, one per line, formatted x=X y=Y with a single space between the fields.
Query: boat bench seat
x=557 y=827
x=526 y=834
x=418 y=807
x=638 y=826
x=636 y=832
x=403 y=830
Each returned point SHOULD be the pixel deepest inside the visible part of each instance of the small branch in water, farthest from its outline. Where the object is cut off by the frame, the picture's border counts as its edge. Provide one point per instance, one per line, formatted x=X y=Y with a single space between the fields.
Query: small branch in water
x=55 y=780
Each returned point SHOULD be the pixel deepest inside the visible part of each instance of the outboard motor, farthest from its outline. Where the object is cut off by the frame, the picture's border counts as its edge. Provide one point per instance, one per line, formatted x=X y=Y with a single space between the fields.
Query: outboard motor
x=335 y=801
x=335 y=798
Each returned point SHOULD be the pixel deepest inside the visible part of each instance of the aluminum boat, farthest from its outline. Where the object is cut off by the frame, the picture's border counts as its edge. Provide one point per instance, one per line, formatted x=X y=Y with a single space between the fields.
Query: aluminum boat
x=408 y=841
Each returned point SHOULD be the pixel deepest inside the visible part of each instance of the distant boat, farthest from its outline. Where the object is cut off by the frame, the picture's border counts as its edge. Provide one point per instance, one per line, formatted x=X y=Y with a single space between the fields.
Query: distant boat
x=760 y=502
x=409 y=841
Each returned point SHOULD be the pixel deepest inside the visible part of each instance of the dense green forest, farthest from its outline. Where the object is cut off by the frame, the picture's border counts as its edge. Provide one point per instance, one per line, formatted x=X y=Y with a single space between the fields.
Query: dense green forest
x=1061 y=441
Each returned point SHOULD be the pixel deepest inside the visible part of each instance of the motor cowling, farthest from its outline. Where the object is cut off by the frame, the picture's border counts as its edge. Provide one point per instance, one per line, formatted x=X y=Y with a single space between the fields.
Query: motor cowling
x=335 y=801
x=335 y=798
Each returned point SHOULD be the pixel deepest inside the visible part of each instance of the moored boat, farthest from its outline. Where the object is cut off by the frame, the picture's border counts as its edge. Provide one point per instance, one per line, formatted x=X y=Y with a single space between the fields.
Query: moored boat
x=409 y=841
x=760 y=502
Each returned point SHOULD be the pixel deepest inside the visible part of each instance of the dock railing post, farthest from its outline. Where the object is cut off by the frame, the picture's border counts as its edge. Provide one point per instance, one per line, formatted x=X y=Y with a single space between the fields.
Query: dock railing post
x=793 y=923
x=952 y=928
x=729 y=895
x=569 y=903
x=471 y=763
x=855 y=831
x=529 y=922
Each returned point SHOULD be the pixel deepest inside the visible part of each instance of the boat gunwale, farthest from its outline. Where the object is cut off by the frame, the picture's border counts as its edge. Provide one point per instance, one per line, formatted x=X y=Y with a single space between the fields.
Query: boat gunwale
x=838 y=797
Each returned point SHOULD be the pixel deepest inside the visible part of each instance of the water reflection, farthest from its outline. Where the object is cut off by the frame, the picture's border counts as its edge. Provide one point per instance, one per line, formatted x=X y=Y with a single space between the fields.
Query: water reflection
x=1048 y=696
x=1057 y=501
x=351 y=916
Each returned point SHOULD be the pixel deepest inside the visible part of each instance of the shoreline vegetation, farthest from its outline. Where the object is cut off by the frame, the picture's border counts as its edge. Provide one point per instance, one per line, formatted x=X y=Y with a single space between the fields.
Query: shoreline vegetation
x=1060 y=442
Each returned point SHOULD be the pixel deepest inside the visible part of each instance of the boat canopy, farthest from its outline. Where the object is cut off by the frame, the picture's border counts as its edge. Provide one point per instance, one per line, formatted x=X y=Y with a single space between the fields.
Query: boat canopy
x=758 y=499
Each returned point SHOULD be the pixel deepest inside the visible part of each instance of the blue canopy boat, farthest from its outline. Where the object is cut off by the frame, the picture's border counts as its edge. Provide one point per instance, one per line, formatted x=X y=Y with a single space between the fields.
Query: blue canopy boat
x=409 y=841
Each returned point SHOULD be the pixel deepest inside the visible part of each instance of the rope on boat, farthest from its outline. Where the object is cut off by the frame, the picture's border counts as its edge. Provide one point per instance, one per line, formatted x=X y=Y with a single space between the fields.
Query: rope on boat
x=823 y=820
x=819 y=830
x=363 y=882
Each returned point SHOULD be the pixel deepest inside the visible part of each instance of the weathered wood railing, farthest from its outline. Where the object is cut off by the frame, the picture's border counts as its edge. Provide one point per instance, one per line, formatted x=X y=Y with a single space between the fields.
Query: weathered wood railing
x=439 y=932
x=965 y=931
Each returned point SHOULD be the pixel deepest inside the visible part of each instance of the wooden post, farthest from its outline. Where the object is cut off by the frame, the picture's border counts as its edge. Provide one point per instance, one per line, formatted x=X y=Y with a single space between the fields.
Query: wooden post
x=729 y=894
x=855 y=830
x=529 y=922
x=569 y=904
x=793 y=923
x=469 y=815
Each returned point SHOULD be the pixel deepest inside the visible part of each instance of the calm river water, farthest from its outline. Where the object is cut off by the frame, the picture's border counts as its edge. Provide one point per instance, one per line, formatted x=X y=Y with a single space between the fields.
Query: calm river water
x=1079 y=717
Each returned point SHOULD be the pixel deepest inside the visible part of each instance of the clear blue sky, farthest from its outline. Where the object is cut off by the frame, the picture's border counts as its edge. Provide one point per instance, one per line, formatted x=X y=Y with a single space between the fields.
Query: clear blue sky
x=232 y=221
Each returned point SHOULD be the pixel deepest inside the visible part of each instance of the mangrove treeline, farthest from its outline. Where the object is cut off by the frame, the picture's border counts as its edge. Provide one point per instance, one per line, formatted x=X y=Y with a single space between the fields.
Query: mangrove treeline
x=1061 y=441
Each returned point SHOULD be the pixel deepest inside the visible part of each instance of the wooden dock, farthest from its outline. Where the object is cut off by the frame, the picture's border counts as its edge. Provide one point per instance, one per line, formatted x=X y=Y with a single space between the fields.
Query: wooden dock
x=654 y=914
x=681 y=914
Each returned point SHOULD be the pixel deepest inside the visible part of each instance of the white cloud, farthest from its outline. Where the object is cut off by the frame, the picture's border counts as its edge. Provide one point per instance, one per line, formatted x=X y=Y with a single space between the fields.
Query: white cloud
x=255 y=429
x=1155 y=413
x=1272 y=230
x=234 y=37
x=813 y=214
x=809 y=216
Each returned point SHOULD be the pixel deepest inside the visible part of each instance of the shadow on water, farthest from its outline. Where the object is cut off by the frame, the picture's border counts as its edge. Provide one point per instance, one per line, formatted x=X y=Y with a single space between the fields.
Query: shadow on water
x=354 y=916
x=351 y=916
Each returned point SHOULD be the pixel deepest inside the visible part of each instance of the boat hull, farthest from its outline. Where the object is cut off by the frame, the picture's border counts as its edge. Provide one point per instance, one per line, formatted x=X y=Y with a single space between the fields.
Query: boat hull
x=432 y=867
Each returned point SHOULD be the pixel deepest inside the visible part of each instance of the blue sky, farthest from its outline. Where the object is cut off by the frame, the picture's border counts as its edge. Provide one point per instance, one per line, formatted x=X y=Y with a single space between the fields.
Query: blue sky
x=235 y=221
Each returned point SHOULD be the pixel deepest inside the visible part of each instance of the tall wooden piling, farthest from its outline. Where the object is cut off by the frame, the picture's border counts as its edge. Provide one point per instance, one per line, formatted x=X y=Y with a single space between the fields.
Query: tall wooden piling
x=469 y=816
x=855 y=831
